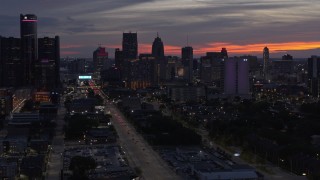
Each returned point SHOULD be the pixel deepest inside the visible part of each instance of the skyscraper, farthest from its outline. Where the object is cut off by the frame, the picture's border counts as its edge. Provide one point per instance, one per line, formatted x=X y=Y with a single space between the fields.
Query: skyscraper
x=314 y=76
x=29 y=46
x=130 y=45
x=157 y=48
x=265 y=62
x=118 y=57
x=11 y=63
x=211 y=68
x=187 y=53
x=236 y=77
x=187 y=60
x=48 y=66
x=224 y=53
x=100 y=57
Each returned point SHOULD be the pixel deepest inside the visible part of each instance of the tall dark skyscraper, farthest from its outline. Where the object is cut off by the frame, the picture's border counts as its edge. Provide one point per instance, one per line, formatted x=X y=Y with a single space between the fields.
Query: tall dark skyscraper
x=48 y=66
x=187 y=53
x=11 y=63
x=314 y=76
x=158 y=48
x=118 y=58
x=265 y=62
x=130 y=45
x=224 y=53
x=29 y=46
x=187 y=59
x=100 y=57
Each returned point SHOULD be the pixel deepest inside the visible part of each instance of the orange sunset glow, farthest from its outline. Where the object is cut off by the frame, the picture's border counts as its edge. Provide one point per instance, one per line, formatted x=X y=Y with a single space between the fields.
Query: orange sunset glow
x=238 y=49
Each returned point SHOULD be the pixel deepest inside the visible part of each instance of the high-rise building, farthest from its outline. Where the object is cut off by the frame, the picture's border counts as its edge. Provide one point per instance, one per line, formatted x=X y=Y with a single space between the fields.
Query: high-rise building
x=118 y=58
x=187 y=60
x=314 y=76
x=142 y=72
x=100 y=57
x=187 y=53
x=130 y=45
x=158 y=48
x=265 y=62
x=224 y=53
x=11 y=67
x=236 y=77
x=212 y=69
x=29 y=46
x=287 y=57
x=48 y=66
x=161 y=61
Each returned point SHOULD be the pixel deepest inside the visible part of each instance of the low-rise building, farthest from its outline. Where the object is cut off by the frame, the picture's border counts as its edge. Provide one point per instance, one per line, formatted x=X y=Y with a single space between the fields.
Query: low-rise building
x=8 y=169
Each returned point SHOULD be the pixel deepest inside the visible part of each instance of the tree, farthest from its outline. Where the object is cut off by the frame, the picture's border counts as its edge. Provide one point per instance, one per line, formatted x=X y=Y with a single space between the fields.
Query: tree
x=80 y=165
x=79 y=124
x=28 y=105
x=90 y=93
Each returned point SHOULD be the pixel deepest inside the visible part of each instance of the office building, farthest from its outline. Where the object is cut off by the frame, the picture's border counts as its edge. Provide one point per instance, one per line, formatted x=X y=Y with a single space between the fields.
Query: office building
x=158 y=53
x=130 y=45
x=6 y=105
x=287 y=57
x=186 y=93
x=187 y=61
x=158 y=48
x=211 y=69
x=187 y=53
x=224 y=53
x=48 y=66
x=314 y=75
x=11 y=63
x=236 y=77
x=76 y=66
x=118 y=58
x=29 y=46
x=266 y=62
x=142 y=72
x=100 y=57
x=283 y=66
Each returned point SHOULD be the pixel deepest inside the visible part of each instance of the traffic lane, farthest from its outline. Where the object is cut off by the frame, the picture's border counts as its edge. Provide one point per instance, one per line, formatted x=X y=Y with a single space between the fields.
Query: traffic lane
x=142 y=154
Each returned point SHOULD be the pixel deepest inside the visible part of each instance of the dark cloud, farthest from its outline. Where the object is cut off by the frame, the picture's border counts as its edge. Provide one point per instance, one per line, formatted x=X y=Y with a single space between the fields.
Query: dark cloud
x=91 y=22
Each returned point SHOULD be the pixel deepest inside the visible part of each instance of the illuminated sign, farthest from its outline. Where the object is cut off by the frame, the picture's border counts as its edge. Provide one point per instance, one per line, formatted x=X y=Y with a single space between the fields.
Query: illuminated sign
x=85 y=77
x=29 y=20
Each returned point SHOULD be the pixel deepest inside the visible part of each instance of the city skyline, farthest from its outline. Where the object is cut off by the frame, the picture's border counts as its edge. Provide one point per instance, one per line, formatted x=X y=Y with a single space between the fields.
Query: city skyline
x=244 y=27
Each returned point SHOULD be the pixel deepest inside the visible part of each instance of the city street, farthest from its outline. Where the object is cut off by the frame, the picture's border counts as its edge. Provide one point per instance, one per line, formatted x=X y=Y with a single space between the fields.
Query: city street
x=55 y=161
x=139 y=153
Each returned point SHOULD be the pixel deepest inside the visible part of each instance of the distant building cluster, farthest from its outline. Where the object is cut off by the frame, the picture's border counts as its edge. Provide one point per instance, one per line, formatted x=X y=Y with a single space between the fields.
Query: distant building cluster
x=30 y=61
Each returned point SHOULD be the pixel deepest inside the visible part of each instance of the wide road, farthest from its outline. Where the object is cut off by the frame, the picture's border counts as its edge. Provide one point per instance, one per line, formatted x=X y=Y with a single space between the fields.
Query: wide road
x=139 y=153
x=55 y=160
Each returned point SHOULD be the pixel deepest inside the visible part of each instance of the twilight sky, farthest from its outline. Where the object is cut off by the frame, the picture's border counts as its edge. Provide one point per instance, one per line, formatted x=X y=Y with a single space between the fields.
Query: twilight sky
x=242 y=26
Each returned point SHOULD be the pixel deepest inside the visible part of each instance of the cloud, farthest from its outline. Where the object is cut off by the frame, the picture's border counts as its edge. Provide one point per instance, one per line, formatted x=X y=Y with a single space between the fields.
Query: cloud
x=68 y=53
x=241 y=22
x=71 y=46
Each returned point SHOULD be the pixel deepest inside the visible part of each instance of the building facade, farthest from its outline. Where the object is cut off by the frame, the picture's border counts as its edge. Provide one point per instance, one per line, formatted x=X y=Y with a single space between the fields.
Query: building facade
x=48 y=66
x=100 y=57
x=187 y=61
x=266 y=62
x=130 y=45
x=314 y=76
x=29 y=47
x=11 y=63
x=236 y=77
